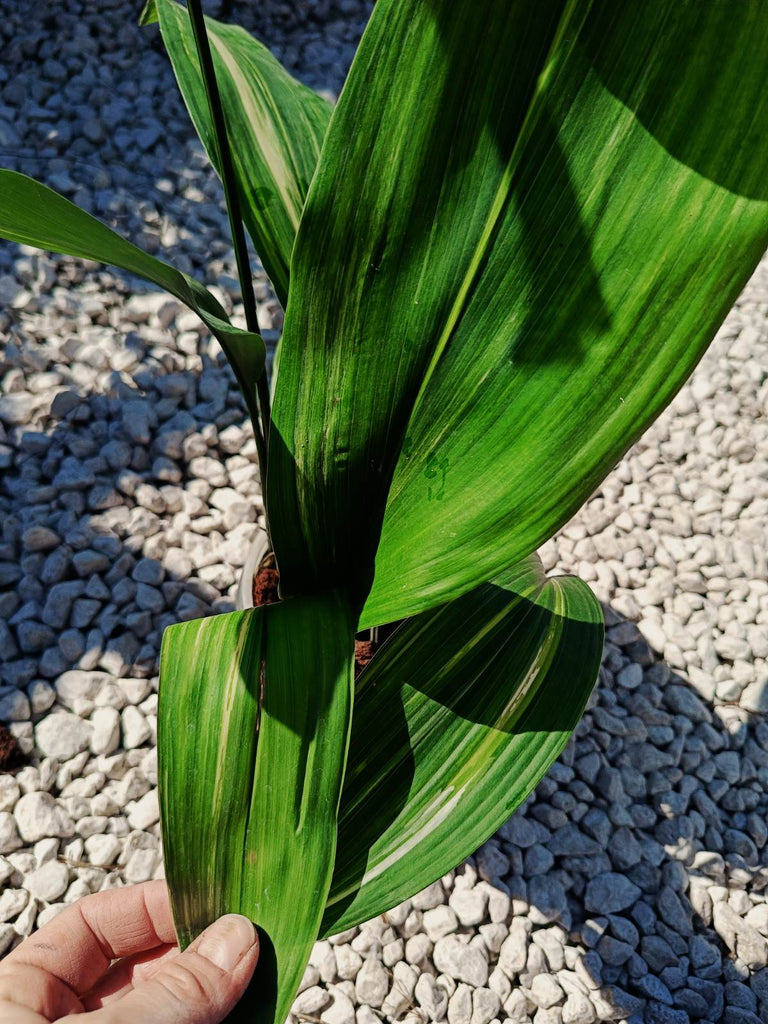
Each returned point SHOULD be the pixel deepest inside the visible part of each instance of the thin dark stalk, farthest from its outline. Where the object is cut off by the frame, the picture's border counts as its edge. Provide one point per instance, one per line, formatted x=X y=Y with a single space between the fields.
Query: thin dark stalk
x=261 y=430
x=254 y=411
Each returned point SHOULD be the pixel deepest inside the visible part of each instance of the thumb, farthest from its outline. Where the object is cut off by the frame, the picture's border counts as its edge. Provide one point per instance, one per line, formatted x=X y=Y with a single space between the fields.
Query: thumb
x=200 y=985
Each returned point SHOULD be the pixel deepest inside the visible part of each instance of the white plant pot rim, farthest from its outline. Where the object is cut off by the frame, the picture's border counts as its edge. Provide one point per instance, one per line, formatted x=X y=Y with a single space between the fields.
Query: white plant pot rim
x=257 y=549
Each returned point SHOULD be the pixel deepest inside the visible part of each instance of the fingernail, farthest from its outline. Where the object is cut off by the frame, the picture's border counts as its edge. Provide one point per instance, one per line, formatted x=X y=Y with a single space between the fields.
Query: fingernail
x=227 y=941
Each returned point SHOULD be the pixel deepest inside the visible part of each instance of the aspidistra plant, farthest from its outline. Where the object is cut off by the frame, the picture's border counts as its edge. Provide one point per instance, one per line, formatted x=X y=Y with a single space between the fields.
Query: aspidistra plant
x=501 y=255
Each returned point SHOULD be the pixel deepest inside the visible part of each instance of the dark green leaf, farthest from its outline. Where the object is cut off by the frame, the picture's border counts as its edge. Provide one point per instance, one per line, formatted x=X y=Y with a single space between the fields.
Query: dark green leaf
x=523 y=232
x=456 y=720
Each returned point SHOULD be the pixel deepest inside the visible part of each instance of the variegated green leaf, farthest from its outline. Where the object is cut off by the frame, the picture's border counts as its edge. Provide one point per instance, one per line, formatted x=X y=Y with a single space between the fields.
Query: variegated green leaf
x=523 y=232
x=456 y=720
x=254 y=722
x=33 y=214
x=275 y=128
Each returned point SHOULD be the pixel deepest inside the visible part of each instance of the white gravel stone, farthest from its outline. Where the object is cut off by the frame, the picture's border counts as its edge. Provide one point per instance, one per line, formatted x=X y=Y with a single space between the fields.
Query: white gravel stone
x=485 y=1006
x=135 y=728
x=38 y=816
x=341 y=1010
x=348 y=962
x=15 y=409
x=462 y=962
x=48 y=882
x=9 y=792
x=440 y=921
x=412 y=924
x=400 y=996
x=754 y=697
x=372 y=982
x=311 y=1002
x=9 y=833
x=577 y=1009
x=310 y=978
x=78 y=685
x=91 y=825
x=431 y=997
x=105 y=734
x=460 y=1005
x=46 y=850
x=494 y=936
x=62 y=735
x=499 y=904
x=365 y=1015
x=141 y=866
x=103 y=850
x=394 y=951
x=545 y=991
x=514 y=950
x=145 y=811
x=7 y=935
x=469 y=905
x=430 y=897
x=25 y=922
x=739 y=936
x=12 y=902
x=41 y=696
x=134 y=690
x=6 y=869
x=418 y=948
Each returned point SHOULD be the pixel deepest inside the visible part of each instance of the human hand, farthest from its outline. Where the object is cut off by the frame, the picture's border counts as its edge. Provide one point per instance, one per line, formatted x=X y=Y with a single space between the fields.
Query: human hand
x=112 y=958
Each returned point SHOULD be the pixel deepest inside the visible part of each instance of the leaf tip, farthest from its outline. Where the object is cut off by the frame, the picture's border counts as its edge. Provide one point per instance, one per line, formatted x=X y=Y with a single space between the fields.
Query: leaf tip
x=149 y=15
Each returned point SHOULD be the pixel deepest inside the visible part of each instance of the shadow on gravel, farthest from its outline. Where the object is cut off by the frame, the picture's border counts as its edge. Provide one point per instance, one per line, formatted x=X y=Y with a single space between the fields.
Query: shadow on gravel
x=133 y=539
x=646 y=844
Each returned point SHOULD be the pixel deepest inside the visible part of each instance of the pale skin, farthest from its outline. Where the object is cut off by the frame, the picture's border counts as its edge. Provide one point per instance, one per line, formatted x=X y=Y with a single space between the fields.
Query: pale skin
x=111 y=958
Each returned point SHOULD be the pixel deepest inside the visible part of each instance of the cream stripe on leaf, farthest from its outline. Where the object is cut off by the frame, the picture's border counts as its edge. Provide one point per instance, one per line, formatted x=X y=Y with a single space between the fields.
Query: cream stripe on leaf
x=456 y=720
x=253 y=730
x=275 y=126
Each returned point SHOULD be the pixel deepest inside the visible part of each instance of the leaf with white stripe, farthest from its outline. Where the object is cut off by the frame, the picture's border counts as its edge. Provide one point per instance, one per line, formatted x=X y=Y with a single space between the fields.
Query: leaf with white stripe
x=275 y=127
x=254 y=722
x=523 y=232
x=456 y=720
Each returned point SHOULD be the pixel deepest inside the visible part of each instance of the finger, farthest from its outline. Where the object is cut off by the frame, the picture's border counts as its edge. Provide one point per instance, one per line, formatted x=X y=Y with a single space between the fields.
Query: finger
x=125 y=974
x=11 y=1013
x=77 y=947
x=199 y=986
x=29 y=995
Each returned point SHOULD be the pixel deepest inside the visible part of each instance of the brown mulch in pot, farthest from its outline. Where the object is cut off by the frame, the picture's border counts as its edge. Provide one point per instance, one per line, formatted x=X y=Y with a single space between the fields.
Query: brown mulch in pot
x=265 y=591
x=11 y=754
